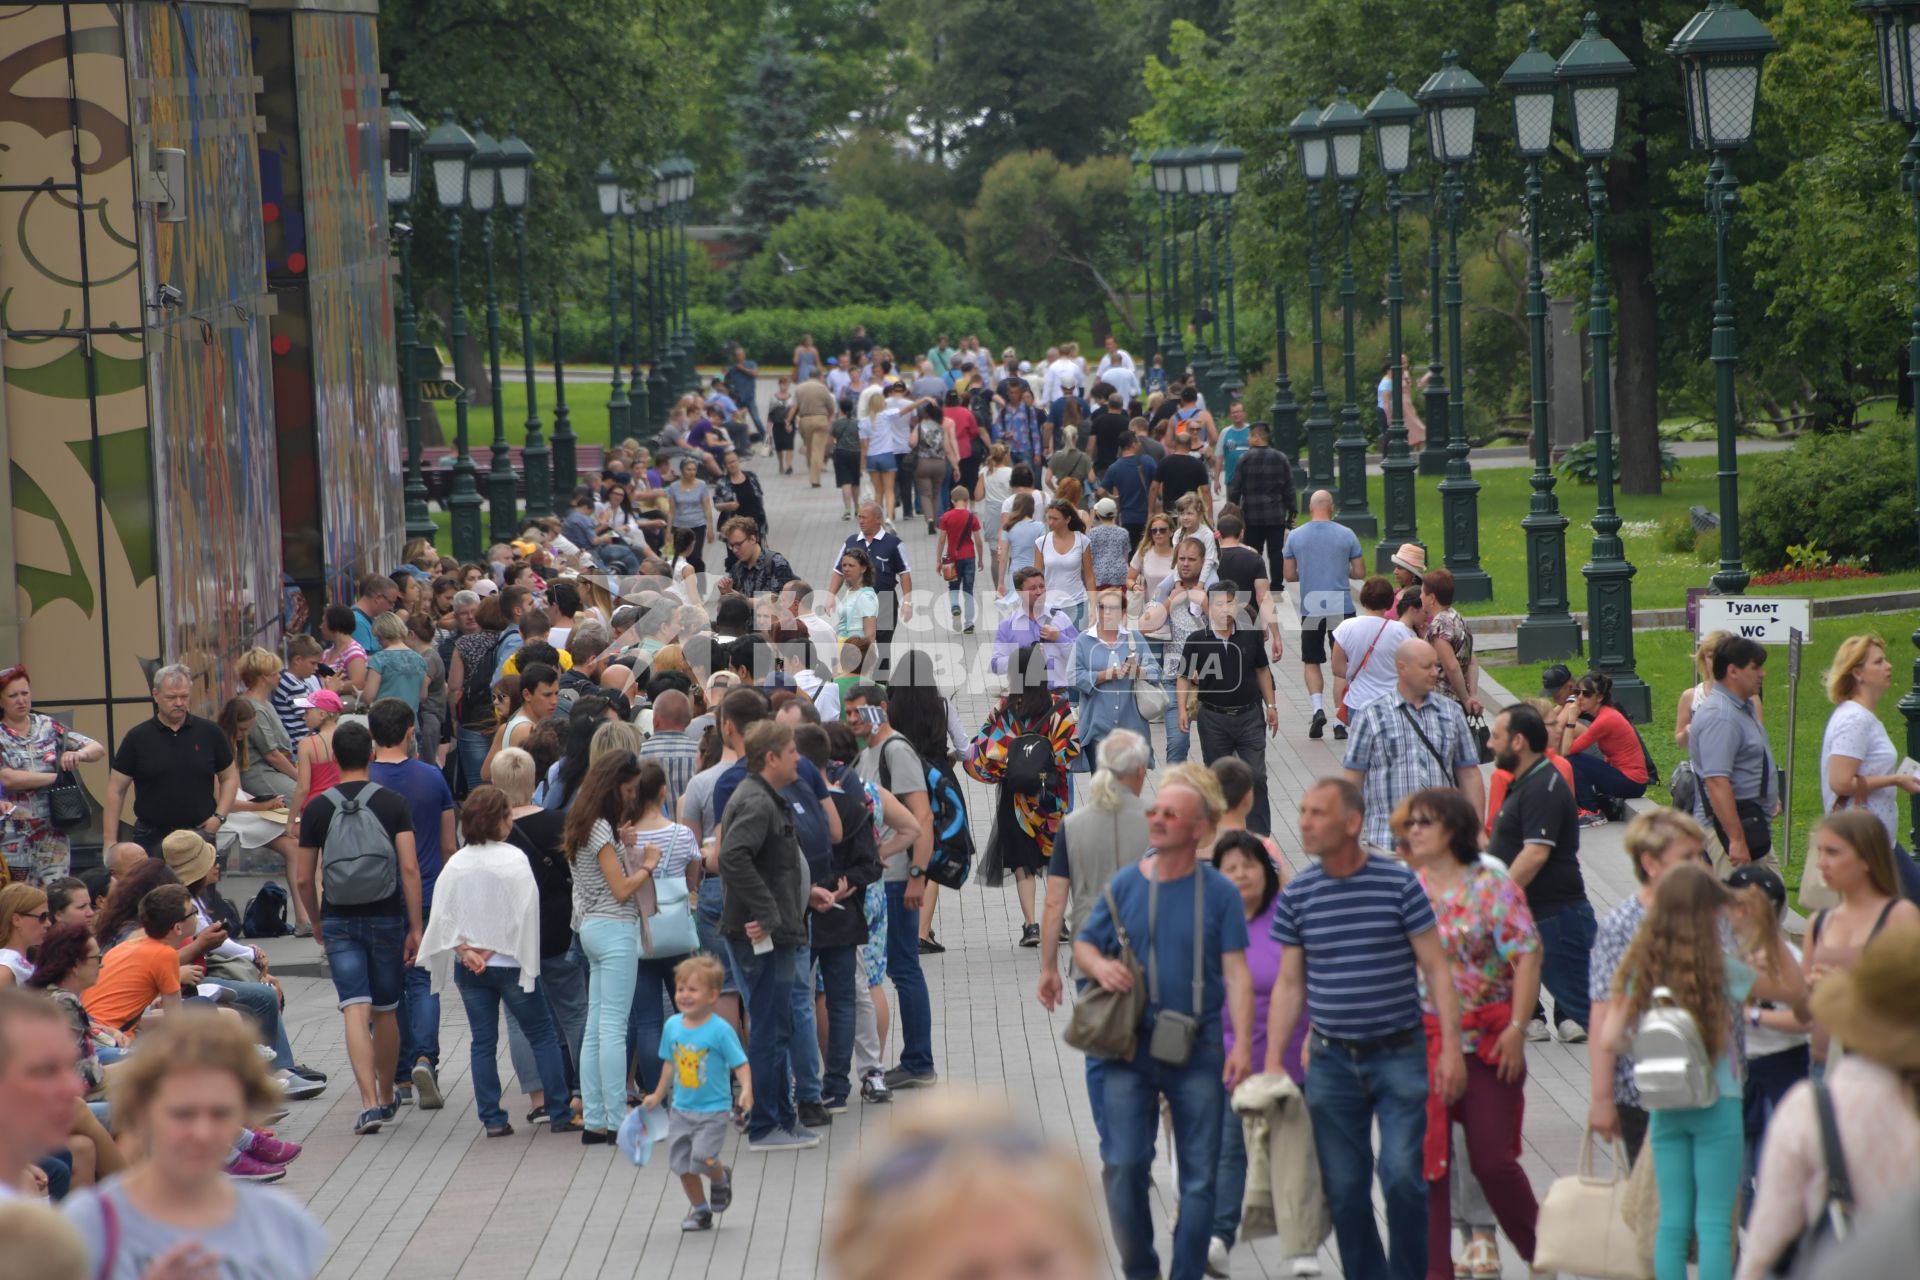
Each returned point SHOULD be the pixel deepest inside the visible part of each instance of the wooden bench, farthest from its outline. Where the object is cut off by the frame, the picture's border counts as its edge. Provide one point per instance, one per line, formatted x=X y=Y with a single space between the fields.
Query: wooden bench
x=436 y=468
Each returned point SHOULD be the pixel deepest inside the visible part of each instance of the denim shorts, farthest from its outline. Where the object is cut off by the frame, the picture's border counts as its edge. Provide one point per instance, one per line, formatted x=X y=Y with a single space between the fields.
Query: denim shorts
x=883 y=462
x=364 y=953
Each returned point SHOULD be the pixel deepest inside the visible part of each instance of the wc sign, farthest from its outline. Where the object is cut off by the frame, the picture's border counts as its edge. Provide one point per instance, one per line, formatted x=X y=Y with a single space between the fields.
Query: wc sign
x=1765 y=620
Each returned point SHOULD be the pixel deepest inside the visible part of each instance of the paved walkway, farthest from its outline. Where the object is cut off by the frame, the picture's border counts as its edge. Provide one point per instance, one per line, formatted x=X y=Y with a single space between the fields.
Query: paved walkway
x=431 y=1197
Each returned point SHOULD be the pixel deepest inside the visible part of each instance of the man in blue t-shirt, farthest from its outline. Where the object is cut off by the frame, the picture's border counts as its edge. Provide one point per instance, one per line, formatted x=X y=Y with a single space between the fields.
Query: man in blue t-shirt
x=1160 y=902
x=430 y=801
x=1130 y=483
x=1323 y=556
x=1356 y=934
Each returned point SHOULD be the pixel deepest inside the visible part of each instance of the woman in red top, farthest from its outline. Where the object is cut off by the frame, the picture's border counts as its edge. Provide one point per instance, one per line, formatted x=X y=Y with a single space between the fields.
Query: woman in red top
x=1619 y=772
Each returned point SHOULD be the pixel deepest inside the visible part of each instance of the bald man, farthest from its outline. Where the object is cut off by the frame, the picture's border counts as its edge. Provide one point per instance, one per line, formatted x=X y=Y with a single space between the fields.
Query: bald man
x=1408 y=741
x=1324 y=557
x=123 y=859
x=670 y=745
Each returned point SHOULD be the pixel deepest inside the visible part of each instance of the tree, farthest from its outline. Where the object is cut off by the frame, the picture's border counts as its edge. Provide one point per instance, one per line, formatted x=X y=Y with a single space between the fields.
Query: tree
x=779 y=160
x=860 y=252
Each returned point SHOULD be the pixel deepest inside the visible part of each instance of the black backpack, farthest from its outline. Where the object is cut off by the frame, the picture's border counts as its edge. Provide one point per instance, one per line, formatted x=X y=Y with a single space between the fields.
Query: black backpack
x=1030 y=765
x=266 y=914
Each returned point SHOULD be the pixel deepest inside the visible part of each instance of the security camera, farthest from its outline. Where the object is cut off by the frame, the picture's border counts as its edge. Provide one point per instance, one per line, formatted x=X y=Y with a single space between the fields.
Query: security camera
x=170 y=296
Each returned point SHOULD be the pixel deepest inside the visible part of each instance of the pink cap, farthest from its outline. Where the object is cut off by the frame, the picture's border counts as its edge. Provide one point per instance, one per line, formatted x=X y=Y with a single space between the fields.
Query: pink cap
x=320 y=700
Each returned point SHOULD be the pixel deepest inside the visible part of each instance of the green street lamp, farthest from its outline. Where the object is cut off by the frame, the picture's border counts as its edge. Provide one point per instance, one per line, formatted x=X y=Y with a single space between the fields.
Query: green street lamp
x=1284 y=413
x=606 y=185
x=1549 y=630
x=1200 y=360
x=658 y=388
x=1314 y=151
x=404 y=137
x=1720 y=51
x=449 y=150
x=1896 y=43
x=1150 y=339
x=1224 y=177
x=1346 y=130
x=1209 y=175
x=1452 y=96
x=1166 y=185
x=565 y=469
x=1592 y=71
x=1433 y=394
x=1393 y=115
x=483 y=193
x=516 y=191
x=639 y=410
x=688 y=171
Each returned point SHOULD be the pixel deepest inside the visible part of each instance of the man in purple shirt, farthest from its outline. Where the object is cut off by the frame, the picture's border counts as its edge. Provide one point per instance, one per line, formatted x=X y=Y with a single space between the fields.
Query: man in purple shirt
x=1035 y=624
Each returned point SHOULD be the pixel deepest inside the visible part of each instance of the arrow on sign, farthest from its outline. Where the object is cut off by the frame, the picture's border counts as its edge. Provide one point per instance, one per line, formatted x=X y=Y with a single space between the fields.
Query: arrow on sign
x=441 y=389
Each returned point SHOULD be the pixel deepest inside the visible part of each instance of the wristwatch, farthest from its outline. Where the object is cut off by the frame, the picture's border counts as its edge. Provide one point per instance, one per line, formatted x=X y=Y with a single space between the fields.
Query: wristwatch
x=915 y=872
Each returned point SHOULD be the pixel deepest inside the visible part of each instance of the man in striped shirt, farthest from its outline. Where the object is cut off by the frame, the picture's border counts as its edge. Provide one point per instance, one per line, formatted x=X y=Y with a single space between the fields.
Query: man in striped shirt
x=1356 y=932
x=297 y=680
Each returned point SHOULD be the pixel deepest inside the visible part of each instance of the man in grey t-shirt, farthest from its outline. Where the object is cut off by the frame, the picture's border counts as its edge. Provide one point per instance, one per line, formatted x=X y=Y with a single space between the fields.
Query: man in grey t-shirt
x=1728 y=748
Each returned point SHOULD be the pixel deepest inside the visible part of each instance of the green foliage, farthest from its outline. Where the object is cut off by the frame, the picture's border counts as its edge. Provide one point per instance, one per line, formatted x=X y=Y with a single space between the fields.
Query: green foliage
x=1848 y=495
x=769 y=334
x=778 y=160
x=873 y=164
x=1676 y=533
x=1582 y=463
x=863 y=250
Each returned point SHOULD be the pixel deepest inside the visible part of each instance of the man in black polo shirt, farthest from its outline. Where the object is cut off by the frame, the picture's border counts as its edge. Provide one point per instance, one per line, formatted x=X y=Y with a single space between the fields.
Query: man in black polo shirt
x=1246 y=569
x=180 y=766
x=1537 y=834
x=1226 y=665
x=1181 y=474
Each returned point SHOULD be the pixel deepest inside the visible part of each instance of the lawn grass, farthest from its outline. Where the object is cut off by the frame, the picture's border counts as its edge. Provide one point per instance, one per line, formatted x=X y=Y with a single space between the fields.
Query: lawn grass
x=586 y=408
x=1664 y=661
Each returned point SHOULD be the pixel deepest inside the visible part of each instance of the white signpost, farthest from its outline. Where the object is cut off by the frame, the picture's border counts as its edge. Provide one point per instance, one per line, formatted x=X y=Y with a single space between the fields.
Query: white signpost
x=1769 y=621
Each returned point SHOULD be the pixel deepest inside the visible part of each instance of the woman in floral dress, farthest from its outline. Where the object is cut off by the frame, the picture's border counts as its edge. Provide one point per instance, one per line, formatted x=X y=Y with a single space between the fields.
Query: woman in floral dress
x=33 y=751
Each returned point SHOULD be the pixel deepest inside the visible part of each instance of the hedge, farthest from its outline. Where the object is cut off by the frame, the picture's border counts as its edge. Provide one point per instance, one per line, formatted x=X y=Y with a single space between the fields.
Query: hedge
x=1849 y=494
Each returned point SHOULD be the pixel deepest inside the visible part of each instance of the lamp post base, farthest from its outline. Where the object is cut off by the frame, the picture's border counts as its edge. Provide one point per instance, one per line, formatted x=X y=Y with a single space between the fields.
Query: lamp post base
x=1546 y=638
x=1433 y=462
x=1610 y=617
x=467 y=541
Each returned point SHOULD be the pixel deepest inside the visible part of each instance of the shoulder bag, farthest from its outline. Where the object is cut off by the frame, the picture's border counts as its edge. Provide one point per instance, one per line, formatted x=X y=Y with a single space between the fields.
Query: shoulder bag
x=67 y=806
x=1149 y=698
x=1106 y=1024
x=1582 y=1229
x=1341 y=710
x=1413 y=722
x=1835 y=1219
x=1174 y=1032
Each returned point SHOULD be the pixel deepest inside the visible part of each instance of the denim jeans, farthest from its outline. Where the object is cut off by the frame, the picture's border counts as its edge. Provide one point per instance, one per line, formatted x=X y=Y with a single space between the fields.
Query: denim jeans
x=1566 y=940
x=1133 y=1092
x=1179 y=742
x=364 y=953
x=1230 y=1180
x=1240 y=733
x=1593 y=777
x=1346 y=1094
x=840 y=974
x=652 y=992
x=1696 y=1163
x=769 y=994
x=909 y=984
x=471 y=746
x=803 y=1050
x=563 y=981
x=960 y=590
x=419 y=1024
x=612 y=948
x=482 y=994
x=1097 y=1098
x=262 y=1003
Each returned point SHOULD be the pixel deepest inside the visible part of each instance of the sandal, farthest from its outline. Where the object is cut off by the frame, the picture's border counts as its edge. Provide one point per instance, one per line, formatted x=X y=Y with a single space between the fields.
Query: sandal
x=1483 y=1258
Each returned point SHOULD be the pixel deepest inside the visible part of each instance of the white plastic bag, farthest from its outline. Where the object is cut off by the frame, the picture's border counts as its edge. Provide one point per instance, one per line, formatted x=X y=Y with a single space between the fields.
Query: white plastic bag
x=643 y=1127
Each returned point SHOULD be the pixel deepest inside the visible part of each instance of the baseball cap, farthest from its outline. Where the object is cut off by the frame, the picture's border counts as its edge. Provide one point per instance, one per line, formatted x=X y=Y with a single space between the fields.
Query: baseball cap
x=485 y=587
x=1106 y=507
x=320 y=699
x=1555 y=677
x=1762 y=878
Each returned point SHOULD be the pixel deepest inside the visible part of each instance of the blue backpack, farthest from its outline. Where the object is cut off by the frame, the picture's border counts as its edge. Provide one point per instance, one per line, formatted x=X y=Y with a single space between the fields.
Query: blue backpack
x=266 y=913
x=952 y=860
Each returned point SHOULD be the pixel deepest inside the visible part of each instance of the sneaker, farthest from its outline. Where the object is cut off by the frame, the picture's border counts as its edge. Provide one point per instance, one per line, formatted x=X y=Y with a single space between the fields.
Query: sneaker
x=391 y=1112
x=845 y=516
x=1592 y=818
x=1217 y=1257
x=297 y=1087
x=814 y=1115
x=402 y=1095
x=246 y=1168
x=370 y=1120
x=783 y=1140
x=302 y=1069
x=1029 y=935
x=274 y=1116
x=1537 y=1032
x=1339 y=732
x=1304 y=1265
x=873 y=1089
x=1066 y=936
x=1318 y=725
x=956 y=613
x=930 y=946
x=1572 y=1032
x=836 y=1106
x=426 y=1086
x=720 y=1198
x=265 y=1051
x=901 y=1078
x=502 y=1130
x=967 y=630
x=700 y=1219
x=271 y=1150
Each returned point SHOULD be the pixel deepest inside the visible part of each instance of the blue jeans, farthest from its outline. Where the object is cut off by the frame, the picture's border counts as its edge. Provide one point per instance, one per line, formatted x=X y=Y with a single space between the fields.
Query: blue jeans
x=1097 y=1097
x=1230 y=1176
x=1177 y=741
x=648 y=1018
x=839 y=971
x=612 y=948
x=909 y=984
x=768 y=988
x=364 y=953
x=618 y=557
x=483 y=993
x=563 y=982
x=1696 y=1162
x=803 y=1051
x=1346 y=1094
x=471 y=746
x=419 y=1024
x=1133 y=1091
x=1566 y=939
x=1593 y=777
x=262 y=1003
x=960 y=590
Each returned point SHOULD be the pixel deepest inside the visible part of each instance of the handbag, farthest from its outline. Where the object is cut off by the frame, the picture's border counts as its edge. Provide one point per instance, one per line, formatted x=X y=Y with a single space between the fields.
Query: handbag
x=1340 y=711
x=1149 y=698
x=1106 y=1024
x=1583 y=1229
x=67 y=806
x=1174 y=1032
x=1482 y=737
x=1835 y=1218
x=666 y=918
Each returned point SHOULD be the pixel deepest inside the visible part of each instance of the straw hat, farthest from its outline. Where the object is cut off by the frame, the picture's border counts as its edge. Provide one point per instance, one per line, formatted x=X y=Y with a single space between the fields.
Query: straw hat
x=1413 y=558
x=187 y=855
x=1874 y=1009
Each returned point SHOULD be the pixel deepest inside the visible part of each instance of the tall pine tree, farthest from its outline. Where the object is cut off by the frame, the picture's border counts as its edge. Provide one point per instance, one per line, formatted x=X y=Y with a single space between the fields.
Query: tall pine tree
x=779 y=158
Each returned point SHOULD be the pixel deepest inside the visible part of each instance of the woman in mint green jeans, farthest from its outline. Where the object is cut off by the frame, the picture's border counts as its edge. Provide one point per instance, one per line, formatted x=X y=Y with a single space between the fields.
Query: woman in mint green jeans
x=1685 y=946
x=599 y=830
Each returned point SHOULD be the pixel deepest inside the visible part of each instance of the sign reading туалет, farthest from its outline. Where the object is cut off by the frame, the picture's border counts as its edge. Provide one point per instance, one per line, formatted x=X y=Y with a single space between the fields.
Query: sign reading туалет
x=1765 y=620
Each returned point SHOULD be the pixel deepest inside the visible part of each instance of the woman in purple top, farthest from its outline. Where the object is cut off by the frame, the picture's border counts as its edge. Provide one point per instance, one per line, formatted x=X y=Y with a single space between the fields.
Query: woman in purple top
x=1248 y=860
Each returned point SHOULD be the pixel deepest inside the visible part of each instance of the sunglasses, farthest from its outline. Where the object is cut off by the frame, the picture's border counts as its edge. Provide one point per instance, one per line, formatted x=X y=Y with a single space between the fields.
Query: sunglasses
x=1420 y=820
x=44 y=917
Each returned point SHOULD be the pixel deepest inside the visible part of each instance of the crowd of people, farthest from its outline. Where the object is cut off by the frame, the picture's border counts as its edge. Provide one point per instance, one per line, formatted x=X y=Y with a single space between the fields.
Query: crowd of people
x=684 y=818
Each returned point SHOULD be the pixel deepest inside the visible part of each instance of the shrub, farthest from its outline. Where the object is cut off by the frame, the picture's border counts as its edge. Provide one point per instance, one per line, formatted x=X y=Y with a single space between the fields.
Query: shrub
x=1850 y=495
x=1676 y=533
x=1582 y=462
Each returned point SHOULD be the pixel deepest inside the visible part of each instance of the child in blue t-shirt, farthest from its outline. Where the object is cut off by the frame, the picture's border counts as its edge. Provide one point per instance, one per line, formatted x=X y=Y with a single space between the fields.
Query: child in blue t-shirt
x=703 y=1050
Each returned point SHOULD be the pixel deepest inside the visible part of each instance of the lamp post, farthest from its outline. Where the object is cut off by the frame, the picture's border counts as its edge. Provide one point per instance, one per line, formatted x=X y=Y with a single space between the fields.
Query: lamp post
x=1346 y=128
x=1226 y=176
x=449 y=150
x=1310 y=144
x=1896 y=29
x=565 y=470
x=1150 y=339
x=404 y=136
x=1208 y=172
x=657 y=384
x=1549 y=630
x=607 y=187
x=1592 y=70
x=639 y=411
x=1433 y=453
x=516 y=189
x=1199 y=360
x=1451 y=96
x=1392 y=115
x=1166 y=183
x=483 y=193
x=688 y=171
x=1284 y=413
x=1720 y=51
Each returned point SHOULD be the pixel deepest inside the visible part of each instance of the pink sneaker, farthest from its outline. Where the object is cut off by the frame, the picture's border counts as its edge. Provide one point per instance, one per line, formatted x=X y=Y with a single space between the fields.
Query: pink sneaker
x=246 y=1168
x=271 y=1150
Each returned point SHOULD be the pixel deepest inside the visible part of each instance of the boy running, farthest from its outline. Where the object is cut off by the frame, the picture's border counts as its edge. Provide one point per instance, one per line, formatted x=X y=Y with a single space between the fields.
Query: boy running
x=702 y=1049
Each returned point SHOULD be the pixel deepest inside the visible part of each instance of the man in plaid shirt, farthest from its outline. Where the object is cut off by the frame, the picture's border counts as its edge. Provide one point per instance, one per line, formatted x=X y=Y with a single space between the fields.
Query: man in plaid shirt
x=1262 y=487
x=1409 y=741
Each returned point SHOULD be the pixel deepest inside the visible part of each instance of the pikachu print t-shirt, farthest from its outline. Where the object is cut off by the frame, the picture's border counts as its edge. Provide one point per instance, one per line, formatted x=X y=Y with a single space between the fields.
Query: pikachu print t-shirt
x=702 y=1059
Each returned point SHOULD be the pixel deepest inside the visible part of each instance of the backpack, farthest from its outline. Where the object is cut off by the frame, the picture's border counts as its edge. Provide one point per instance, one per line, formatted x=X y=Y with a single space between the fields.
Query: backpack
x=953 y=850
x=266 y=914
x=1671 y=1066
x=1030 y=764
x=358 y=865
x=476 y=684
